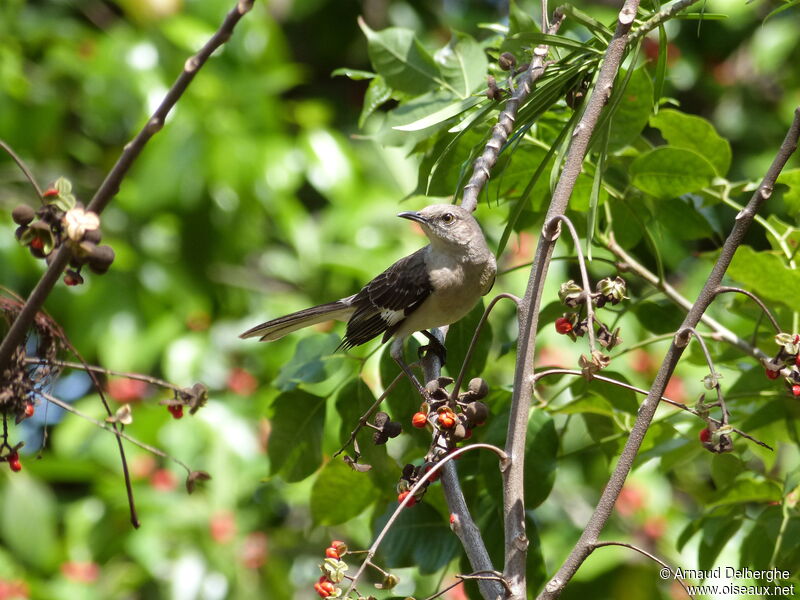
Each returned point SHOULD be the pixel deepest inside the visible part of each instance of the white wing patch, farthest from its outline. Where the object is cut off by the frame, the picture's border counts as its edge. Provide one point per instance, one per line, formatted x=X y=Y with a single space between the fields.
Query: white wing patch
x=391 y=317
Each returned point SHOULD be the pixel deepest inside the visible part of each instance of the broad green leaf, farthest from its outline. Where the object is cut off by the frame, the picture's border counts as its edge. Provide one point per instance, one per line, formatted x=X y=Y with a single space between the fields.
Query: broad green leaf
x=377 y=94
x=312 y=362
x=791 y=198
x=748 y=488
x=668 y=172
x=399 y=57
x=28 y=521
x=420 y=537
x=441 y=115
x=408 y=112
x=621 y=399
x=463 y=64
x=340 y=493
x=677 y=217
x=295 y=444
x=694 y=133
x=354 y=74
x=632 y=110
x=725 y=468
x=459 y=336
x=717 y=531
x=765 y=274
x=541 y=451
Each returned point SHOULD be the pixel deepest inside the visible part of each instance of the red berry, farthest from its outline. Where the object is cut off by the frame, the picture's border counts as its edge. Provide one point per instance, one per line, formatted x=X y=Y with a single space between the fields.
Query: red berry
x=340 y=547
x=13 y=462
x=402 y=496
x=176 y=410
x=29 y=408
x=323 y=593
x=563 y=326
x=796 y=390
x=37 y=243
x=773 y=374
x=419 y=420
x=446 y=421
x=70 y=280
x=705 y=435
x=50 y=193
x=452 y=518
x=331 y=553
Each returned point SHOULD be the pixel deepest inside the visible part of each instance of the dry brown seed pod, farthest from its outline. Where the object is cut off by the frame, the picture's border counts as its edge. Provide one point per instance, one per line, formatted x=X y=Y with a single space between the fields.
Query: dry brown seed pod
x=478 y=387
x=23 y=214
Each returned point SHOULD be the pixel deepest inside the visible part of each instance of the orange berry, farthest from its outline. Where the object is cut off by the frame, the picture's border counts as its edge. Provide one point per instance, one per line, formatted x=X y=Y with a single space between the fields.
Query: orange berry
x=402 y=496
x=331 y=553
x=563 y=326
x=419 y=420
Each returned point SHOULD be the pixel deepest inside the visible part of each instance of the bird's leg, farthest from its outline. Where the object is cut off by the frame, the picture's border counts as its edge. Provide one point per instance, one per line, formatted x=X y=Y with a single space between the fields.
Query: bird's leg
x=396 y=352
x=435 y=346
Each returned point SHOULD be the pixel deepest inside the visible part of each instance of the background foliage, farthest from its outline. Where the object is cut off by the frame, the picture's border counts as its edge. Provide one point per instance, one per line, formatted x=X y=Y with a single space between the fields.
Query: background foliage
x=262 y=195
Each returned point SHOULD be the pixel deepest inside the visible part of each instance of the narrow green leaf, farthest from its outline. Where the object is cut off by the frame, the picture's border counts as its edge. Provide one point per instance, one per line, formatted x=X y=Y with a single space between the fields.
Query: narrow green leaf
x=560 y=41
x=661 y=67
x=668 y=172
x=339 y=493
x=441 y=115
x=399 y=57
x=295 y=444
x=780 y=9
x=354 y=74
x=701 y=16
x=694 y=133
x=630 y=109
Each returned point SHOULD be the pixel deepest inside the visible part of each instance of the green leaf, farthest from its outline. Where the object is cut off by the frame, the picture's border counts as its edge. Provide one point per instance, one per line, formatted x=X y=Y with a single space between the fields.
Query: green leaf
x=463 y=64
x=458 y=338
x=541 y=451
x=632 y=110
x=668 y=172
x=399 y=57
x=414 y=110
x=780 y=9
x=765 y=274
x=28 y=522
x=694 y=133
x=748 y=488
x=377 y=94
x=340 y=493
x=313 y=362
x=791 y=198
x=420 y=537
x=534 y=39
x=679 y=218
x=661 y=67
x=295 y=444
x=716 y=533
x=441 y=115
x=620 y=398
x=354 y=74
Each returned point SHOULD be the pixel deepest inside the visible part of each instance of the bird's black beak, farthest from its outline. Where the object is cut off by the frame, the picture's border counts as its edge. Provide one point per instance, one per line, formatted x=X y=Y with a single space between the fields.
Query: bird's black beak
x=413 y=216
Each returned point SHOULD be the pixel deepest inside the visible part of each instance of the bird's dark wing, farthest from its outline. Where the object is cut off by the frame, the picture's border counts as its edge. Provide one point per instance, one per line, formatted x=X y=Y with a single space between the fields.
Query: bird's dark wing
x=383 y=304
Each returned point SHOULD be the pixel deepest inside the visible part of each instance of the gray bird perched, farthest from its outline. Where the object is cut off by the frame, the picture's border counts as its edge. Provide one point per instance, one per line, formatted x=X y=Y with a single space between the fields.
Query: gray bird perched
x=435 y=286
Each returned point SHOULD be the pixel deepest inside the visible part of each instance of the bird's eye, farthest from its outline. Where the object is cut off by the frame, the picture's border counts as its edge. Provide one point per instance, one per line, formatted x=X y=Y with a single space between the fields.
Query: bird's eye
x=447 y=218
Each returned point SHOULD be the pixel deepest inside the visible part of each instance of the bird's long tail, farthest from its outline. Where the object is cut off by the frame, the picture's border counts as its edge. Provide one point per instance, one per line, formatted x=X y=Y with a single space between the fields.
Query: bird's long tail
x=277 y=328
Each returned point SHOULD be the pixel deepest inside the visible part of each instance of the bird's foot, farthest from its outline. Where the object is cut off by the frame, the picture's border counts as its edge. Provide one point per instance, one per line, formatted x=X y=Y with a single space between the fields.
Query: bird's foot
x=435 y=346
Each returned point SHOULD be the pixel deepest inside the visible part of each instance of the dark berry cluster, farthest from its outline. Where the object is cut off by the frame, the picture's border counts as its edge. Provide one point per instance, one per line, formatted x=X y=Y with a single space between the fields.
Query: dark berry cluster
x=63 y=220
x=786 y=362
x=384 y=428
x=452 y=421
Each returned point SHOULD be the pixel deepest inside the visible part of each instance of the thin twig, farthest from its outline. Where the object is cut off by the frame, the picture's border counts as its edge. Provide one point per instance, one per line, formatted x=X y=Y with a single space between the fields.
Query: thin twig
x=643 y=392
x=651 y=557
x=110 y=186
x=723 y=289
x=660 y=18
x=712 y=372
x=411 y=492
x=23 y=167
x=119 y=434
x=587 y=293
x=611 y=492
x=97 y=369
x=474 y=340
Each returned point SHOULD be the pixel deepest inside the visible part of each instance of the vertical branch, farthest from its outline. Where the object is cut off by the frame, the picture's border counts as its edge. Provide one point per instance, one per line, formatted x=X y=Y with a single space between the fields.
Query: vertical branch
x=588 y=540
x=516 y=541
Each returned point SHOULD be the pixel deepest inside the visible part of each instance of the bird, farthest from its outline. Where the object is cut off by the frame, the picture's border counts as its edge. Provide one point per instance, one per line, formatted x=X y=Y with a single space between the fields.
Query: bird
x=435 y=286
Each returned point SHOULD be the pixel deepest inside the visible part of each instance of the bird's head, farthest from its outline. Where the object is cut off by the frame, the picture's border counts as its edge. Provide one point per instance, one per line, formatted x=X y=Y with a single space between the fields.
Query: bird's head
x=447 y=224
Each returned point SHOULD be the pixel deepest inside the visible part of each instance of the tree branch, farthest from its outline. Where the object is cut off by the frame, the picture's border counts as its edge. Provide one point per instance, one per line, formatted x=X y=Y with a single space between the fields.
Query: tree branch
x=110 y=186
x=602 y=512
x=516 y=541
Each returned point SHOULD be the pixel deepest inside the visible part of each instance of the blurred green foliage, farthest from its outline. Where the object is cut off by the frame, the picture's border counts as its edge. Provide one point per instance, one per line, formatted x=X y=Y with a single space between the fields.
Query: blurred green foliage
x=263 y=194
